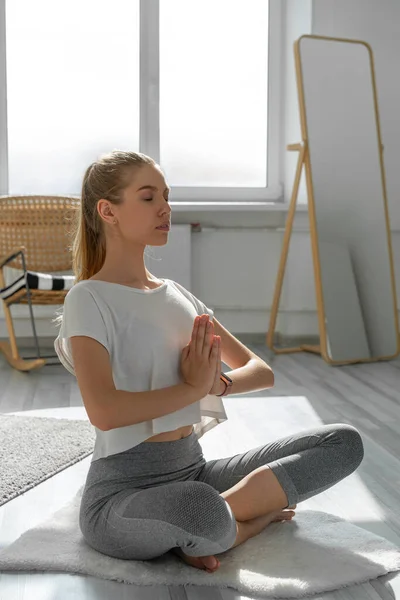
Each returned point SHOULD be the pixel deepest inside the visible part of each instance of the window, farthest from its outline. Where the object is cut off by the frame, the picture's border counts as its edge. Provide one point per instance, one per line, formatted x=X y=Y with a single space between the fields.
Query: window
x=193 y=84
x=214 y=92
x=72 y=89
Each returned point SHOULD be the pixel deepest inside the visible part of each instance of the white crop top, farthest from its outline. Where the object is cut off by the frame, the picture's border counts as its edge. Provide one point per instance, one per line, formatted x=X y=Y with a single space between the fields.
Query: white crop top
x=144 y=332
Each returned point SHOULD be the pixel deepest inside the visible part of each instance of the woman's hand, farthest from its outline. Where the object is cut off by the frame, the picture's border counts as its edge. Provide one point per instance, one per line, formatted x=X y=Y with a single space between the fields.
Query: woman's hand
x=216 y=386
x=200 y=358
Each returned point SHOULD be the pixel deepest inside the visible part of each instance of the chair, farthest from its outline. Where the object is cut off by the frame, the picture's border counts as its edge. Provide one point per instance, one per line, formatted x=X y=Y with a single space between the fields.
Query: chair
x=34 y=238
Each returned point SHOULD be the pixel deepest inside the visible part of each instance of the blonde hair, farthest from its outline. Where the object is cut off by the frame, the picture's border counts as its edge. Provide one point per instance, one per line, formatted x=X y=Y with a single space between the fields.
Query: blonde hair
x=105 y=178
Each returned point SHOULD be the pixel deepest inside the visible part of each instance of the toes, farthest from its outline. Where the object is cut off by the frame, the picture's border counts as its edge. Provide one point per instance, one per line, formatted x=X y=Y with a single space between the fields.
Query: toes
x=210 y=562
x=286 y=515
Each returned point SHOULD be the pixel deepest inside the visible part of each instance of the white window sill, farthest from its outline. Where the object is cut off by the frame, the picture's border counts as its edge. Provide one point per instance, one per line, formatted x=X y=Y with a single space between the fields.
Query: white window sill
x=234 y=214
x=183 y=207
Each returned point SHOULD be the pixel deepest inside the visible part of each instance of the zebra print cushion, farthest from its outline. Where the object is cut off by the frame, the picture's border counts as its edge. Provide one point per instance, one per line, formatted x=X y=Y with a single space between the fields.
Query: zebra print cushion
x=38 y=281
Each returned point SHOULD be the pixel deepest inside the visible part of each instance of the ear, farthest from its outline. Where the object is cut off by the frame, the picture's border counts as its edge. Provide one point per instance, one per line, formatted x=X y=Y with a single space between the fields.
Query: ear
x=106 y=210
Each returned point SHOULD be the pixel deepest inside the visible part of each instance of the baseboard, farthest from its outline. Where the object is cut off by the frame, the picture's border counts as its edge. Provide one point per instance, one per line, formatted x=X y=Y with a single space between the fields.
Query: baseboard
x=29 y=342
x=279 y=339
x=255 y=338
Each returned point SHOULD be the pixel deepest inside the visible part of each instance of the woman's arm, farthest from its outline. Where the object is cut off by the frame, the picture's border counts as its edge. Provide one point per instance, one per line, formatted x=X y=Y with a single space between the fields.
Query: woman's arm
x=107 y=407
x=250 y=373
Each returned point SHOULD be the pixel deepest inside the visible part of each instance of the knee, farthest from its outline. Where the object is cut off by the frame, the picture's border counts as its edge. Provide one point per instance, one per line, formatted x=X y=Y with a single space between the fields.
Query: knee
x=213 y=517
x=353 y=447
x=207 y=520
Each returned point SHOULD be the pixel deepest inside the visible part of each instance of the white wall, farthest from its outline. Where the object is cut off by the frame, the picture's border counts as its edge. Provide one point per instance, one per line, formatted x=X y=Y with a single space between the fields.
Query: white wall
x=234 y=269
x=377 y=23
x=251 y=258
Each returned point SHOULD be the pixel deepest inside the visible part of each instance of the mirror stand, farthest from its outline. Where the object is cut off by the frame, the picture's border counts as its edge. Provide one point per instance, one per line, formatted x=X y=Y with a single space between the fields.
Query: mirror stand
x=342 y=154
x=321 y=348
x=303 y=160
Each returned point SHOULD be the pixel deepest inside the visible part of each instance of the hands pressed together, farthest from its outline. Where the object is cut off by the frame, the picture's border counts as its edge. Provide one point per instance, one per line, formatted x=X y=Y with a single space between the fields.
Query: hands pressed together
x=201 y=358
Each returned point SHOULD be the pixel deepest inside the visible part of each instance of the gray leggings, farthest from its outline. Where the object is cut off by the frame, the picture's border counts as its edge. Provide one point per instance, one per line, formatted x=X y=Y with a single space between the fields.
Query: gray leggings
x=142 y=503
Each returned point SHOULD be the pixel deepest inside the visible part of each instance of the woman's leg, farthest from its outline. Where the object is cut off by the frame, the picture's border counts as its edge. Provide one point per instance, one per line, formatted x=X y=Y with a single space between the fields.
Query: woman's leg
x=299 y=467
x=146 y=523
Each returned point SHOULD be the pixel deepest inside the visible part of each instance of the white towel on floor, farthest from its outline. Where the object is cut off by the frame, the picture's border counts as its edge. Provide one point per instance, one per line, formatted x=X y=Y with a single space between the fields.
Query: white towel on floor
x=314 y=553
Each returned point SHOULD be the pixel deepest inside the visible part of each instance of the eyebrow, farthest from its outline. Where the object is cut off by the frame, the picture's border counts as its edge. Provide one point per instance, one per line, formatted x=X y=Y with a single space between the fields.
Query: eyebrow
x=152 y=187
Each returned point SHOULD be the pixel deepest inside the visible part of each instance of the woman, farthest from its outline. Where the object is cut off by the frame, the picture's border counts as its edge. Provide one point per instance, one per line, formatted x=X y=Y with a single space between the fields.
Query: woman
x=148 y=368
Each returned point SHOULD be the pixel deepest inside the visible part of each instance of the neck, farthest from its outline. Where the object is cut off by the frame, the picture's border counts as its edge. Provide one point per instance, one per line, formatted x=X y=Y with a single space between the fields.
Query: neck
x=124 y=263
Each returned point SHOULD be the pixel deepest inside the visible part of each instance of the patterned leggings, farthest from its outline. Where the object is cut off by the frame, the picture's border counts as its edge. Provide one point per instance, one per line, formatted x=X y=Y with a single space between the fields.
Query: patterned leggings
x=141 y=503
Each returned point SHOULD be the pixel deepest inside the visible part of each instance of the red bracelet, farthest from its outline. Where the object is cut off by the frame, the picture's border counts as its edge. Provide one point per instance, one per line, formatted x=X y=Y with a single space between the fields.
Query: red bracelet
x=226 y=387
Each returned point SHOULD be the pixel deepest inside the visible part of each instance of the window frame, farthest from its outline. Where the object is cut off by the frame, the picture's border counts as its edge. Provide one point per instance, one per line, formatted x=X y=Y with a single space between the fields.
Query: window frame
x=149 y=134
x=3 y=103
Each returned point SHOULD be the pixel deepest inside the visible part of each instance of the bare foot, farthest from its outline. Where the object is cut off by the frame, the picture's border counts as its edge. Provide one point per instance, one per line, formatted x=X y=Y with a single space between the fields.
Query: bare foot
x=200 y=562
x=257 y=525
x=284 y=515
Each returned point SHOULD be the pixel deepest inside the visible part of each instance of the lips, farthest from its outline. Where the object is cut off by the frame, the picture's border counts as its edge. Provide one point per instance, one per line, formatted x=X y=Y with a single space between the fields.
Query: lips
x=164 y=227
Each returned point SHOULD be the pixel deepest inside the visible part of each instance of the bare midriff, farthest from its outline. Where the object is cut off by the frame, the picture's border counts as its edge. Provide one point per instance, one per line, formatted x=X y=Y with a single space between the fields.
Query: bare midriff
x=170 y=436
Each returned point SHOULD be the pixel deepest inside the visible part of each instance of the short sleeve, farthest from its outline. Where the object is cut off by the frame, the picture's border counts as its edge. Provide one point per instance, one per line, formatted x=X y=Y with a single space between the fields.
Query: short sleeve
x=200 y=307
x=81 y=316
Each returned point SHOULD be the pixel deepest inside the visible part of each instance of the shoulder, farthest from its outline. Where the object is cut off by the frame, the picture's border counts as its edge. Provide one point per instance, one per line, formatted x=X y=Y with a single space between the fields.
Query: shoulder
x=177 y=286
x=83 y=307
x=81 y=293
x=78 y=288
x=180 y=289
x=188 y=295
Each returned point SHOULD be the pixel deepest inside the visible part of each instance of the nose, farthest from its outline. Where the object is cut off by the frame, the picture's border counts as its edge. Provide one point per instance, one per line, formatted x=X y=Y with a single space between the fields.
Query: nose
x=167 y=209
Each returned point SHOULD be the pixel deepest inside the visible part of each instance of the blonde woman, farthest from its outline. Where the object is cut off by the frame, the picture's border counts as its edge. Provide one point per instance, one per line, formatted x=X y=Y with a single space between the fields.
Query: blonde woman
x=147 y=357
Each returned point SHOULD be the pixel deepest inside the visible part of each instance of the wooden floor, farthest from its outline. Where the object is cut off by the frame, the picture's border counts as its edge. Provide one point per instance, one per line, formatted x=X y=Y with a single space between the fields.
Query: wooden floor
x=307 y=392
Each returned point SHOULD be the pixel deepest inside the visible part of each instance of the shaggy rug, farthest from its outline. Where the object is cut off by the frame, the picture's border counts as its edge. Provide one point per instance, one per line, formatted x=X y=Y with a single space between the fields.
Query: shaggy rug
x=316 y=552
x=32 y=449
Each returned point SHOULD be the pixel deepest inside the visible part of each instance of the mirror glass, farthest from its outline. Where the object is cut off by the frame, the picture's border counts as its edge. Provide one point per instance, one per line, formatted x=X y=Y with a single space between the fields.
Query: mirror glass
x=341 y=128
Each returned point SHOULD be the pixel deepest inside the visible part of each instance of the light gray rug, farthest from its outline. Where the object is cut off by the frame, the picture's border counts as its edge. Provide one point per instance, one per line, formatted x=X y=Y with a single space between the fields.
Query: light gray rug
x=32 y=449
x=315 y=553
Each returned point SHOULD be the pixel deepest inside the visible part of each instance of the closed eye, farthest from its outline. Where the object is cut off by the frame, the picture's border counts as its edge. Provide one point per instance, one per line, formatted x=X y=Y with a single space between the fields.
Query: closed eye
x=149 y=199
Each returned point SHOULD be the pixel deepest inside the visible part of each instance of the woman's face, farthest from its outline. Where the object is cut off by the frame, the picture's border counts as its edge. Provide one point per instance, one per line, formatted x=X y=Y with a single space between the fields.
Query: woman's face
x=145 y=206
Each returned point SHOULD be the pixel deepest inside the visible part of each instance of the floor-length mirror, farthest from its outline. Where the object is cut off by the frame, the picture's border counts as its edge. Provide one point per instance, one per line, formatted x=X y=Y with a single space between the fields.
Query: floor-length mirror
x=340 y=125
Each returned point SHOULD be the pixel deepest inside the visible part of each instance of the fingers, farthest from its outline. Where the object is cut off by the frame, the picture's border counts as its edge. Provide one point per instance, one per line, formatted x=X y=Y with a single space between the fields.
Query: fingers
x=208 y=337
x=203 y=335
x=199 y=337
x=216 y=349
x=194 y=332
x=203 y=339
